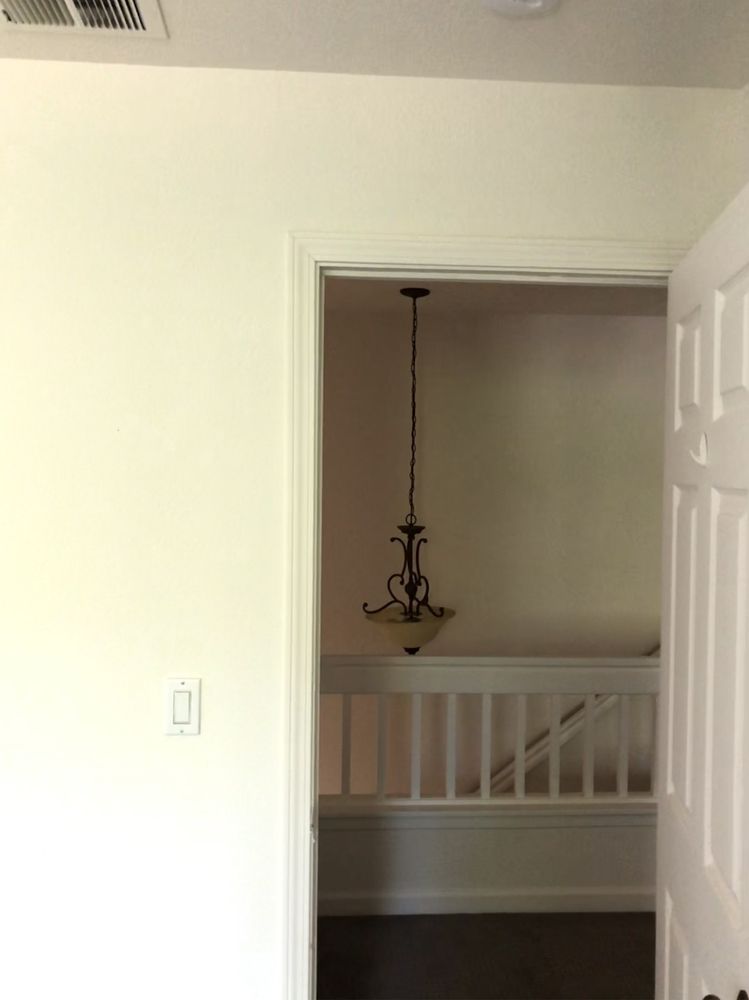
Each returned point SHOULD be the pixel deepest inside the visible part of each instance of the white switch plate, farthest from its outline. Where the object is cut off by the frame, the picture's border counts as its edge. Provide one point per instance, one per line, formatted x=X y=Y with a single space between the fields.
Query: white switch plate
x=182 y=706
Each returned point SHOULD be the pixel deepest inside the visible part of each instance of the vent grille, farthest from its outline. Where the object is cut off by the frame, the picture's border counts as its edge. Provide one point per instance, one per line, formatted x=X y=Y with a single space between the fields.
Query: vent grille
x=39 y=12
x=142 y=16
x=124 y=15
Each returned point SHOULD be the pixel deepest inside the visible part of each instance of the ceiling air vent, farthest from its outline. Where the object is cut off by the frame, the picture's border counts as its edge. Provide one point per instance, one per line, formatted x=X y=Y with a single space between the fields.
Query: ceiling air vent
x=142 y=17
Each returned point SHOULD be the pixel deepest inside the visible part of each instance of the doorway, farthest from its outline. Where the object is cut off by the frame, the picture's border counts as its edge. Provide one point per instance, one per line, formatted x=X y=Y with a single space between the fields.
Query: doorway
x=312 y=260
x=540 y=409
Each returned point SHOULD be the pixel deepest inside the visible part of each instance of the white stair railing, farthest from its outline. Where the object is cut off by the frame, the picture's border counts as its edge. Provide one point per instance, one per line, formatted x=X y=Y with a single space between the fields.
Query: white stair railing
x=538 y=751
x=603 y=684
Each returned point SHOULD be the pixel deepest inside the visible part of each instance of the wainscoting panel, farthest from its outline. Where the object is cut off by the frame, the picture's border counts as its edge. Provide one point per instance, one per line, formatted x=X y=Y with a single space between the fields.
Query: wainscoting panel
x=474 y=861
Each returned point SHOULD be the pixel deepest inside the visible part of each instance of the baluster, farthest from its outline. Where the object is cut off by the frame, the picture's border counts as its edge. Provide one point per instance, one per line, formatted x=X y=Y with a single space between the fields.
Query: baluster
x=382 y=744
x=415 y=746
x=346 y=745
x=588 y=745
x=486 y=745
x=450 y=749
x=554 y=729
x=654 y=750
x=622 y=767
x=521 y=739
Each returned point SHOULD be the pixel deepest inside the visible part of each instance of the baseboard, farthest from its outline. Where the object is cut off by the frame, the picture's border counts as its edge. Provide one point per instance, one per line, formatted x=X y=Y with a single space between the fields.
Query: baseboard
x=602 y=899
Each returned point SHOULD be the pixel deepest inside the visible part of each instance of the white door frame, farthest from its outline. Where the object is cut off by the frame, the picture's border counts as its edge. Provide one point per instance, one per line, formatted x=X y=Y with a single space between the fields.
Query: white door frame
x=312 y=258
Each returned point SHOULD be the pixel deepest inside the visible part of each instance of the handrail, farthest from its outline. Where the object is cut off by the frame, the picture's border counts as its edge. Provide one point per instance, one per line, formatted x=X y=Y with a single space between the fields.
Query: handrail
x=537 y=751
x=488 y=675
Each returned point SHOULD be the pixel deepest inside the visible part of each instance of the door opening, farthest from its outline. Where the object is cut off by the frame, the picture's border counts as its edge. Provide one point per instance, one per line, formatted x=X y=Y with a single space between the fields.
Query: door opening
x=596 y=264
x=703 y=871
x=539 y=455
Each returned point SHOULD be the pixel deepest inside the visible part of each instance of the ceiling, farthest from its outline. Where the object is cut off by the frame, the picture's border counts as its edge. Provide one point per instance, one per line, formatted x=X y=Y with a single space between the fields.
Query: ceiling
x=681 y=43
x=491 y=298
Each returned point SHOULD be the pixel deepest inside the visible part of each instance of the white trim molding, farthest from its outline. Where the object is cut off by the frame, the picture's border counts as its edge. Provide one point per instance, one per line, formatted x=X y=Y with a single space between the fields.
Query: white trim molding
x=575 y=899
x=373 y=814
x=574 y=261
x=635 y=675
x=311 y=258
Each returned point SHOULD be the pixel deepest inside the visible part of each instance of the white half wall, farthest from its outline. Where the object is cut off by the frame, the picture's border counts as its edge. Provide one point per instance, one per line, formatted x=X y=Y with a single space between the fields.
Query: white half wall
x=145 y=480
x=491 y=863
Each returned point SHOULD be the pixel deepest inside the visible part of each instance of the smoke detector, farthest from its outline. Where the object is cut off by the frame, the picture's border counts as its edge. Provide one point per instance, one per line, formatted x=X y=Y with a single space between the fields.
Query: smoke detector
x=125 y=17
x=521 y=8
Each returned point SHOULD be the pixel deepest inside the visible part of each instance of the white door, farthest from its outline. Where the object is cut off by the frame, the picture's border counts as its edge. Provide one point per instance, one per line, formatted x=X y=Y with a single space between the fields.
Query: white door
x=703 y=850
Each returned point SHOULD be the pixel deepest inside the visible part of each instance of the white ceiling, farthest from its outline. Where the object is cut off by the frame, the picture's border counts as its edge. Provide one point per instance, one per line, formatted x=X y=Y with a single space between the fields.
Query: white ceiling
x=684 y=43
x=489 y=298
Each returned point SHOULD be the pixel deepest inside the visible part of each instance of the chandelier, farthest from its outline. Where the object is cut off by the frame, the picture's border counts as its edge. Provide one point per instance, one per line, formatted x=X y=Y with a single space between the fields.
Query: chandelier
x=408 y=616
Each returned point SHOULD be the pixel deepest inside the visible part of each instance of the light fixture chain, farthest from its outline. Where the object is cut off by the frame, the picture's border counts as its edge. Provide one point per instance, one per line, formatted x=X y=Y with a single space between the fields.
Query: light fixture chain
x=409 y=581
x=411 y=518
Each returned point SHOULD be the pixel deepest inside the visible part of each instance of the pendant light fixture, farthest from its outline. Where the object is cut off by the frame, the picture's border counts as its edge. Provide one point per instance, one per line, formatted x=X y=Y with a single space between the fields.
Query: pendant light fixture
x=408 y=617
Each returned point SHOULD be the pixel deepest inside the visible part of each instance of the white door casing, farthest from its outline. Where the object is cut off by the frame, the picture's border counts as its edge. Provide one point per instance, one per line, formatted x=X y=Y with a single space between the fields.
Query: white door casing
x=311 y=258
x=703 y=841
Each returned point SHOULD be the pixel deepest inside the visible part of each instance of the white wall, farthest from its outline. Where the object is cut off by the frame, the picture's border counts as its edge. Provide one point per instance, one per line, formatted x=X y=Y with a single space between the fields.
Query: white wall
x=539 y=473
x=145 y=490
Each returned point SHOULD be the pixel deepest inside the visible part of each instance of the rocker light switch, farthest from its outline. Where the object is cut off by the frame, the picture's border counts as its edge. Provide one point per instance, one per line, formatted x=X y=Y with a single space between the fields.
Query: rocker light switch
x=182 y=706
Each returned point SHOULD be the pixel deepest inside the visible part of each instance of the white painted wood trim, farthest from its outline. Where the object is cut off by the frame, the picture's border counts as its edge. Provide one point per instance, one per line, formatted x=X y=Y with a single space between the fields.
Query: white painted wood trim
x=486 y=745
x=346 y=745
x=481 y=259
x=537 y=752
x=555 y=713
x=382 y=745
x=450 y=746
x=581 y=899
x=589 y=748
x=622 y=764
x=470 y=815
x=416 y=746
x=655 y=743
x=488 y=675
x=521 y=740
x=311 y=256
x=303 y=560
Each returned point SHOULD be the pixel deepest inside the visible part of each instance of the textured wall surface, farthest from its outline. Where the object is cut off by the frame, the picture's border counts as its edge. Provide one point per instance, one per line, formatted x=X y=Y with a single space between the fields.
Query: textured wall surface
x=144 y=391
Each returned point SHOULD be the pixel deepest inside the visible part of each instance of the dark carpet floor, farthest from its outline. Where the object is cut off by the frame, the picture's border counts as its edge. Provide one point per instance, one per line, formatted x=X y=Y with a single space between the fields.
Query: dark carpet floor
x=503 y=956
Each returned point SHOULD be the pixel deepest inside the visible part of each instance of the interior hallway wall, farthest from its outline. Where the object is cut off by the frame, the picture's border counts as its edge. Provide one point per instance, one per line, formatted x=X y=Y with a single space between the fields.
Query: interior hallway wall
x=539 y=477
x=144 y=393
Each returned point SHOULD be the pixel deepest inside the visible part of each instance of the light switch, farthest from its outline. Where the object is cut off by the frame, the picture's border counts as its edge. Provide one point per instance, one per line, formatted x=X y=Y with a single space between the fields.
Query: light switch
x=182 y=706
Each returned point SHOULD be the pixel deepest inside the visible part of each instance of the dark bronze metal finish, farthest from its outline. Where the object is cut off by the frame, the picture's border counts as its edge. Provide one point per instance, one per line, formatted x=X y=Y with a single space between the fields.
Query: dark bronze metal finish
x=742 y=996
x=415 y=586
